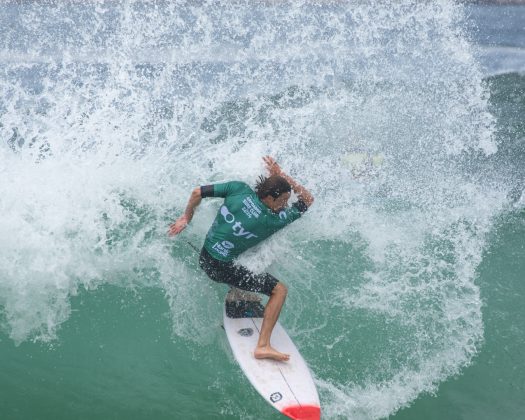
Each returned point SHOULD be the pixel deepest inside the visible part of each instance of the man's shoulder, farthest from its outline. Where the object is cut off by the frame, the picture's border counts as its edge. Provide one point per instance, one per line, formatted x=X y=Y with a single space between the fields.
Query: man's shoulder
x=240 y=187
x=230 y=188
x=288 y=214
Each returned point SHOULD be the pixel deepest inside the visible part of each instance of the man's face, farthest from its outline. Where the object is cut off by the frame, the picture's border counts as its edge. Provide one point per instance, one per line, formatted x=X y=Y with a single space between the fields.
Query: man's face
x=281 y=202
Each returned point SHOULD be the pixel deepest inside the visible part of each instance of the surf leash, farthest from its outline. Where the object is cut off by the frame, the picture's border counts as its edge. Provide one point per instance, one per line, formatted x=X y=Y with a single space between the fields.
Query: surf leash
x=193 y=246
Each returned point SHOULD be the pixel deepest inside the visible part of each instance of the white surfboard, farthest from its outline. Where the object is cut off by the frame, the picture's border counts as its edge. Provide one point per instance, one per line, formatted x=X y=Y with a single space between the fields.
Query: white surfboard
x=287 y=386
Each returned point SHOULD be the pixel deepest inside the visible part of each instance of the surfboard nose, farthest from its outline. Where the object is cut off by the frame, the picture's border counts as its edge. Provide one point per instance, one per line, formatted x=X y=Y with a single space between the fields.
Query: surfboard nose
x=303 y=412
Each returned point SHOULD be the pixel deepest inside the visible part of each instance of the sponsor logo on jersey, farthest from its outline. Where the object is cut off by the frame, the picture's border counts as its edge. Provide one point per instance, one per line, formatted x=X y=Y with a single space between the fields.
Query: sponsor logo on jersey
x=237 y=228
x=250 y=208
x=223 y=248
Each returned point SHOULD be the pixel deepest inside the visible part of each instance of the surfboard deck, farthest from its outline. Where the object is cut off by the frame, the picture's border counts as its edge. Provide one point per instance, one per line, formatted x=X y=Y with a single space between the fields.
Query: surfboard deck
x=287 y=386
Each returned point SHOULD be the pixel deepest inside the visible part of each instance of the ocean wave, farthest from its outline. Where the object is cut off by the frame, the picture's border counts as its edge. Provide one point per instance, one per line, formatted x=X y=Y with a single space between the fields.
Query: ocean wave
x=99 y=154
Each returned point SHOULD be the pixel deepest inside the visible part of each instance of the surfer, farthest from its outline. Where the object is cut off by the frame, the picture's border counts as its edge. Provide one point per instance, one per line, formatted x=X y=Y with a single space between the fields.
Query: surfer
x=245 y=219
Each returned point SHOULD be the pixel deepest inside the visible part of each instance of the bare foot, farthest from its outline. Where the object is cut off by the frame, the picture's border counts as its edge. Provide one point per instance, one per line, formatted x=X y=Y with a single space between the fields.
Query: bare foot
x=268 y=352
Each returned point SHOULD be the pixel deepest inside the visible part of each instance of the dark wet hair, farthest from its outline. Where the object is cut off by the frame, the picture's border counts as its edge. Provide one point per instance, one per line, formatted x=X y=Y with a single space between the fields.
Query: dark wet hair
x=273 y=186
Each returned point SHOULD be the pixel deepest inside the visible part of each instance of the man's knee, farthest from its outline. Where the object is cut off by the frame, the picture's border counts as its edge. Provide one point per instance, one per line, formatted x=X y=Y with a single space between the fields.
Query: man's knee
x=280 y=289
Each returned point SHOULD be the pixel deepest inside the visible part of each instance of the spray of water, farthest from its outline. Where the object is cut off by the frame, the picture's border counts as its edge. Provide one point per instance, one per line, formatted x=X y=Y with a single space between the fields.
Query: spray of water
x=112 y=111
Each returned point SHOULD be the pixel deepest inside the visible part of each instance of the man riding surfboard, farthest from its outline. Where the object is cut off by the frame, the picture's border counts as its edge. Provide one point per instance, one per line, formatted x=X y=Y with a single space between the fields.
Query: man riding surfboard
x=246 y=218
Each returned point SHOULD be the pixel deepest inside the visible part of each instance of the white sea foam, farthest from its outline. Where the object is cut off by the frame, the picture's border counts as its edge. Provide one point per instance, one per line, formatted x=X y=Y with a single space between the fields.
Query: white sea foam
x=126 y=108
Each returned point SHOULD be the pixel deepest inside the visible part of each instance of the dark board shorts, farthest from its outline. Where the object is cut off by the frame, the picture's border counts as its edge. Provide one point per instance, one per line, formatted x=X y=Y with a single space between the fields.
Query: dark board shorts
x=236 y=275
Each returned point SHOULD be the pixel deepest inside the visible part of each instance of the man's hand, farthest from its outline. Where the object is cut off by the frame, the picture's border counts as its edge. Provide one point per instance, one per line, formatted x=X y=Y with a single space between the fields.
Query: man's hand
x=179 y=225
x=298 y=189
x=272 y=166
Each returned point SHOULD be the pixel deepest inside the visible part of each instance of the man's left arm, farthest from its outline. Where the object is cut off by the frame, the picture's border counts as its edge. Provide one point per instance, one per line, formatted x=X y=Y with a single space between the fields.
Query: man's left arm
x=304 y=195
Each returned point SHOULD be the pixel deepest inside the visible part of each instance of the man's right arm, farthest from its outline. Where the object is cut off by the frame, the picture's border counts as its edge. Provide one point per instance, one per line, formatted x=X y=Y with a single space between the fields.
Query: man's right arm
x=180 y=224
x=215 y=190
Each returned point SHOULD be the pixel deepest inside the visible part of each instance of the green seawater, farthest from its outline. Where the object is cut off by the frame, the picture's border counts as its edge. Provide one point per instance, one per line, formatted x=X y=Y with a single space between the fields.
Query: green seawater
x=116 y=357
x=493 y=386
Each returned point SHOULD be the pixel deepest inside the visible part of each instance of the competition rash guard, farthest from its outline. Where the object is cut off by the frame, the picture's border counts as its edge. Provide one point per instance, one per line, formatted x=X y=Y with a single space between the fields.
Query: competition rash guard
x=243 y=220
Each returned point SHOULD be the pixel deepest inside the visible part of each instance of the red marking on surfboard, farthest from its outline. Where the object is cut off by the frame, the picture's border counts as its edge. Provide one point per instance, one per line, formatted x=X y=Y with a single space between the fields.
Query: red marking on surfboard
x=303 y=412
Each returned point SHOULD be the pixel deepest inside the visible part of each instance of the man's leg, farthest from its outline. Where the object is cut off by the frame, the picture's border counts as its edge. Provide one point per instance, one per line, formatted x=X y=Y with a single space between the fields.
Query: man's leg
x=271 y=313
x=242 y=278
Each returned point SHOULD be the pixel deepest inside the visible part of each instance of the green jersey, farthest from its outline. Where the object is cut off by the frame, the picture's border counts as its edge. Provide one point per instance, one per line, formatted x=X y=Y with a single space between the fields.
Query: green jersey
x=243 y=220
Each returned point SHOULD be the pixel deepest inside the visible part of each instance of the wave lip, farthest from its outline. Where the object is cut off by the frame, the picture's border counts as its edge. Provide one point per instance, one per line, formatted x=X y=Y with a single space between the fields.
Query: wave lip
x=497 y=60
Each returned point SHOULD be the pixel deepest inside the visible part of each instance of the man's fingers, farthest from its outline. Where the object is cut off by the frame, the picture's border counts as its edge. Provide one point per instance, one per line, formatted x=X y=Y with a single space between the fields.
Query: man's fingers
x=174 y=232
x=270 y=163
x=176 y=228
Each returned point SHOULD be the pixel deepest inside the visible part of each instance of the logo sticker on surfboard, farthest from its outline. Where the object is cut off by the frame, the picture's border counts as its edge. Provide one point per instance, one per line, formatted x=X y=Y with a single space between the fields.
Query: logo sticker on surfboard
x=245 y=332
x=276 y=397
